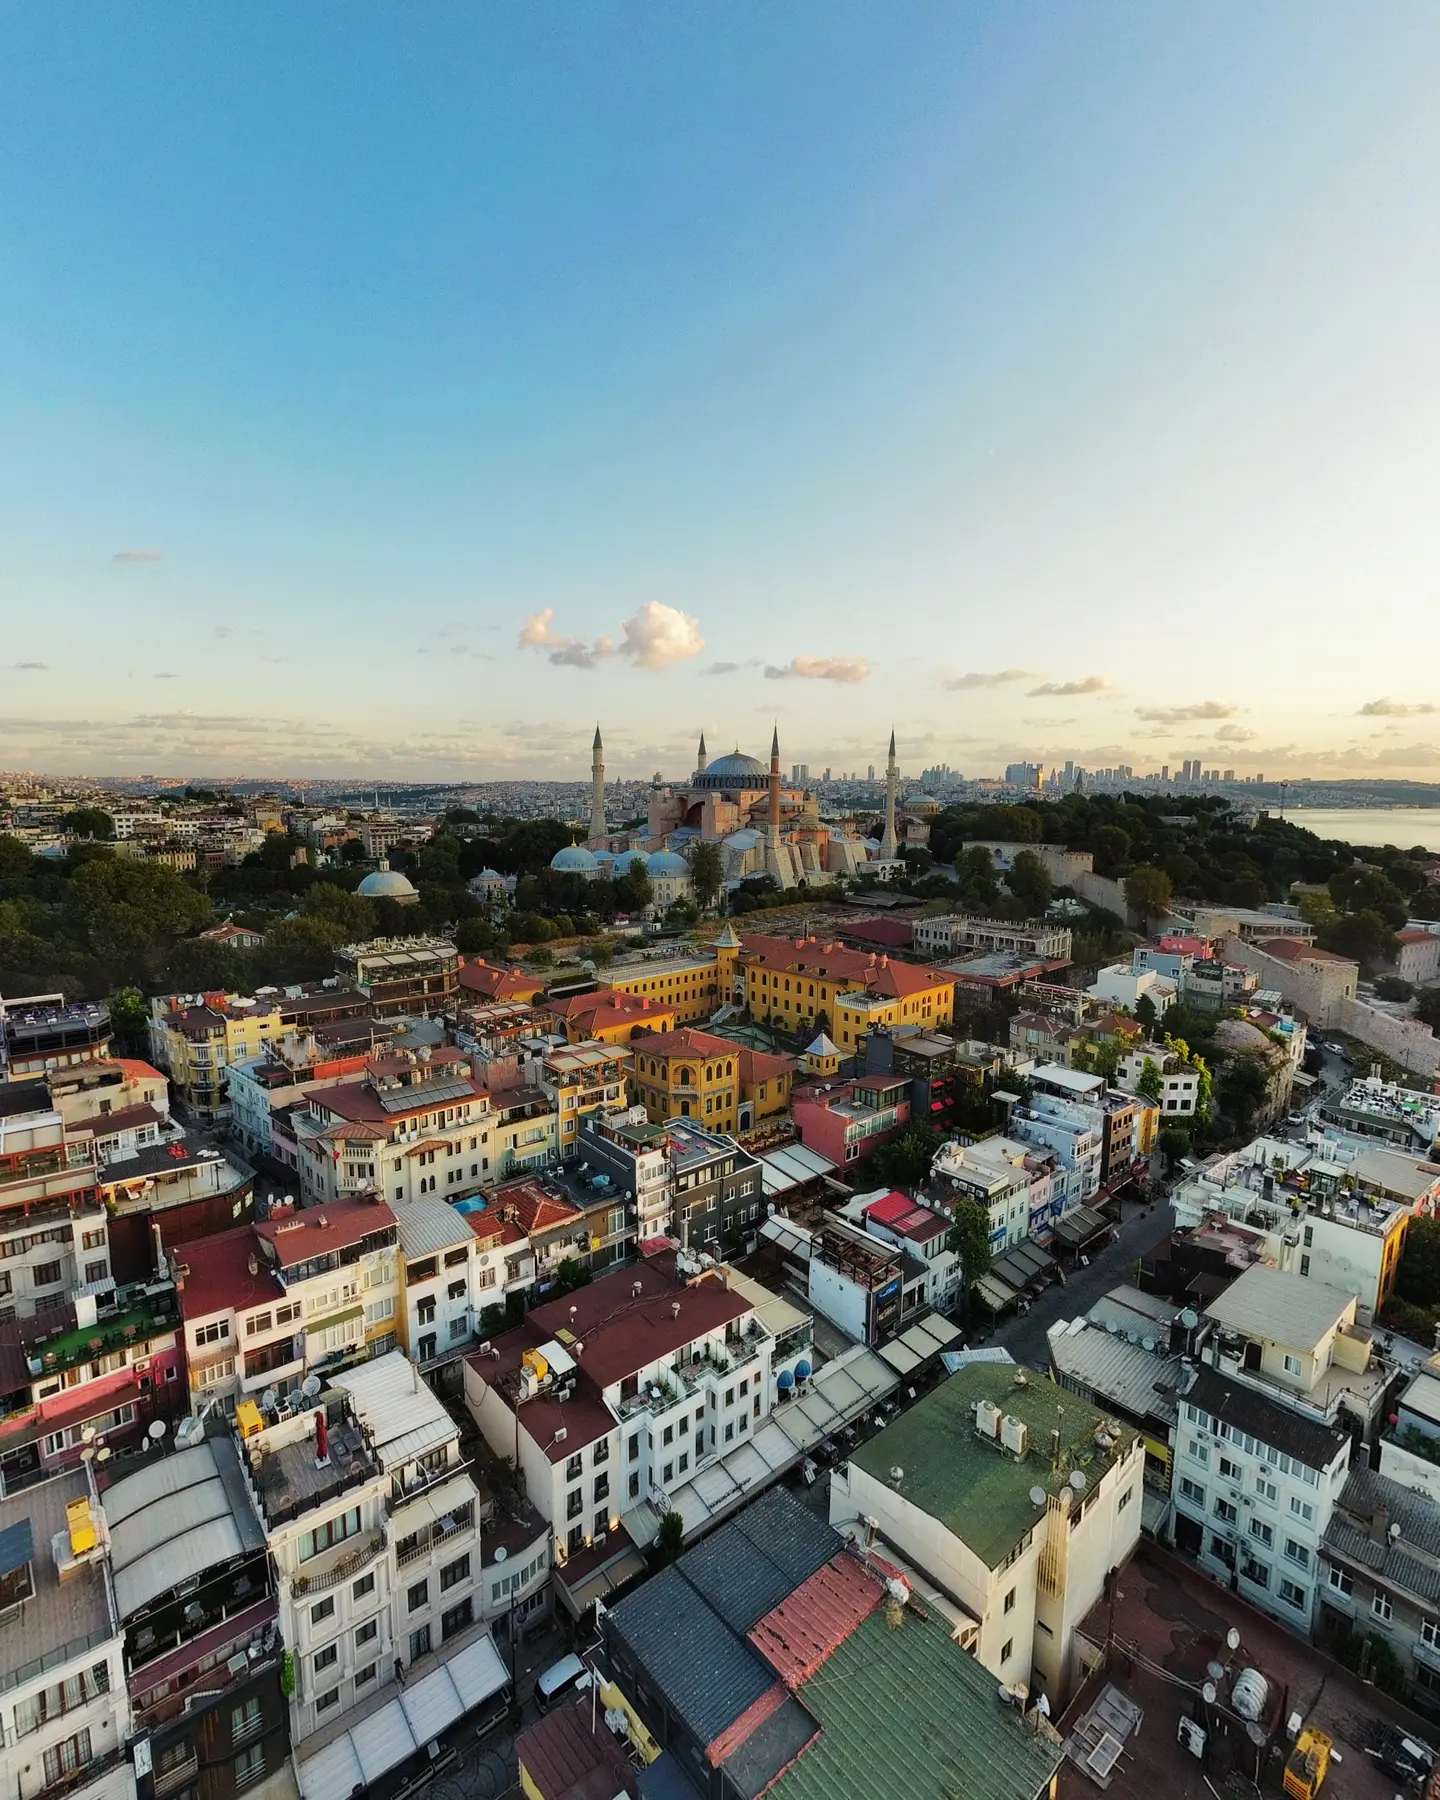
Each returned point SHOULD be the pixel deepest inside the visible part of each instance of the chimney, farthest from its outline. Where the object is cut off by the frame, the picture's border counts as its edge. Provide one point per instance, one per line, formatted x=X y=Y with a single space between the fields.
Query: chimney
x=1380 y=1525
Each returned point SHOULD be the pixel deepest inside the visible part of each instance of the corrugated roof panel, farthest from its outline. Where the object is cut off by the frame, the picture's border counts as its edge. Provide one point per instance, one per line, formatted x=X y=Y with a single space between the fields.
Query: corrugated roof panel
x=478 y=1672
x=706 y=1673
x=382 y=1739
x=156 y=1480
x=175 y=1560
x=332 y=1773
x=430 y=1704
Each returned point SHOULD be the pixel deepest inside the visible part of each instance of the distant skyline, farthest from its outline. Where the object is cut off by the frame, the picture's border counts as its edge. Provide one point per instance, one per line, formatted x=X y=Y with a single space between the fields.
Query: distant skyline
x=393 y=394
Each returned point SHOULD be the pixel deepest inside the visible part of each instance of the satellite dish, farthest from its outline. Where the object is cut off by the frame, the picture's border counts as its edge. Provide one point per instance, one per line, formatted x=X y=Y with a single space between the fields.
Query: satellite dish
x=1111 y=1326
x=1232 y=1639
x=269 y=1399
x=157 y=1429
x=310 y=1387
x=1209 y=1691
x=1189 y=1318
x=897 y=1474
x=1078 y=1481
x=1037 y=1496
x=501 y=1554
x=87 y=1453
x=103 y=1453
x=87 y=1436
x=1147 y=1344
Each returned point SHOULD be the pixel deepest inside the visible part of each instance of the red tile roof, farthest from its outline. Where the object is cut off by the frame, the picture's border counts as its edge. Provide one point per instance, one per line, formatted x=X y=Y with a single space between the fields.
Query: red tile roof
x=761 y=1065
x=907 y=1217
x=796 y=1636
x=129 y=1118
x=1293 y=950
x=535 y=1210
x=880 y=975
x=491 y=1230
x=219 y=1275
x=687 y=1042
x=498 y=984
x=883 y=934
x=1415 y=937
x=298 y=1235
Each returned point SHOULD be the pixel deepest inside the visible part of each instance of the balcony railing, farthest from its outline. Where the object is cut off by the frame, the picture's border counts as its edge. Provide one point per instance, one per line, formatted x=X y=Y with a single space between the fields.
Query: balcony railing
x=351 y=1562
x=91 y=1770
x=175 y=1777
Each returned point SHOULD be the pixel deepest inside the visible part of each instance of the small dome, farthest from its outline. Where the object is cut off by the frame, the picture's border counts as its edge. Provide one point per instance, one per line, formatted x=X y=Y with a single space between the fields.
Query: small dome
x=922 y=803
x=666 y=862
x=744 y=839
x=388 y=884
x=735 y=770
x=574 y=859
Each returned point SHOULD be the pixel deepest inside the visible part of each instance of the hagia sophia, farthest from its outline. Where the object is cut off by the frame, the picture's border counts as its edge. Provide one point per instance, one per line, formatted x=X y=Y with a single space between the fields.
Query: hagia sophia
x=761 y=826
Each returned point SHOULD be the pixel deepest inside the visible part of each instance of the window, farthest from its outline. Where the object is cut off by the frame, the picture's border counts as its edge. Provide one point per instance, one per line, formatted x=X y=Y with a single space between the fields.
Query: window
x=92 y=1240
x=367 y=1633
x=327 y=1658
x=96 y=1271
x=1125 y=1499
x=574 y=1467
x=323 y=1609
x=1291 y=1364
x=249 y=1766
x=1226 y=1511
x=457 y=1619
x=1430 y=1633
x=66 y=1757
x=216 y=1332
x=47 y=1275
x=257 y=1323
x=244 y=1721
x=419 y=1643
x=602 y=1487
x=1297 y=1553
x=601 y=1453
x=1302 y=1509
x=1257 y=1573
x=418 y=1596
x=1267 y=1491
x=1380 y=1607
x=1342 y=1581
x=54 y=1702
x=367 y=1674
x=365 y=1585
x=333 y=1531
x=1010 y=1601
x=1005 y=1650
x=1261 y=1533
x=1198 y=1451
x=635 y=1487
x=1294 y=1595
x=456 y=1290
x=323 y=1702
x=1192 y=1490
x=574 y=1503
x=454 y=1573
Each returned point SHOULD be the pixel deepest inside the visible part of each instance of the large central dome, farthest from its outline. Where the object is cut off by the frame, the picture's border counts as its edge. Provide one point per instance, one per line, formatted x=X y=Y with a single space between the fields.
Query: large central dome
x=735 y=770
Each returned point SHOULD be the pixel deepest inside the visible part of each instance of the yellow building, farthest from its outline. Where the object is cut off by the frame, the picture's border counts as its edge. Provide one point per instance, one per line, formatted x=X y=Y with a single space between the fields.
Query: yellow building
x=766 y=1083
x=610 y=1017
x=583 y=1079
x=805 y=984
x=688 y=1075
x=688 y=984
x=196 y=1040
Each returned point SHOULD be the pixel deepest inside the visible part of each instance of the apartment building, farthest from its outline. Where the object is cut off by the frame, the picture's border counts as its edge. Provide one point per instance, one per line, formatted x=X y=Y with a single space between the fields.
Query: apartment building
x=954 y=932
x=1022 y=1187
x=1015 y=1509
x=42 y=1035
x=1074 y=1134
x=1256 y=1482
x=553 y=1227
x=896 y=1219
x=1176 y=1084
x=857 y=1280
x=441 y=1281
x=64 y=1709
x=845 y=1120
x=583 y=1079
x=504 y=1264
x=154 y=1178
x=196 y=1601
x=718 y=1188
x=299 y=1293
x=1336 y=1210
x=688 y=1074
x=196 y=1038
x=53 y=1237
x=289 y=1068
x=635 y=1154
x=417 y=976
x=688 y=986
x=1406 y=1119
x=621 y=1394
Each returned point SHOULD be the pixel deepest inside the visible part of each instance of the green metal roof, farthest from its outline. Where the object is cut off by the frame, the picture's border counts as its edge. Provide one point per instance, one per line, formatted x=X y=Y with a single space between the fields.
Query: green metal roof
x=973 y=1487
x=906 y=1714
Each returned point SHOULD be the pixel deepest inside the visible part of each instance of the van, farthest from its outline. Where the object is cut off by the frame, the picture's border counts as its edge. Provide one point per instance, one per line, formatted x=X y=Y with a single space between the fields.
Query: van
x=558 y=1679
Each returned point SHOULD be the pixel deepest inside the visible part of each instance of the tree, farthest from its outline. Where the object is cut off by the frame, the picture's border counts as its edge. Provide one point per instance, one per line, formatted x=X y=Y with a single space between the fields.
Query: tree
x=1391 y=987
x=570 y=1274
x=969 y=1239
x=1418 y=1277
x=1360 y=890
x=707 y=872
x=199 y=965
x=1111 y=847
x=1147 y=892
x=905 y=1159
x=1366 y=936
x=90 y=822
x=601 y=952
x=1029 y=881
x=1014 y=824
x=440 y=859
x=1145 y=1012
x=634 y=890
x=477 y=937
x=1244 y=1089
x=978 y=890
x=352 y=914
x=1427 y=1007
x=129 y=913
x=1174 y=1143
x=670 y=1538
x=1150 y=1082
x=543 y=957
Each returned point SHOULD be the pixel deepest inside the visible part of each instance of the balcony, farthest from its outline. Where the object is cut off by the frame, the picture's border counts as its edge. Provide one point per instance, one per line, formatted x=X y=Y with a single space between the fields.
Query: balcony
x=89 y=1771
x=176 y=1776
x=175 y=1679
x=340 y=1564
x=1427 y=1655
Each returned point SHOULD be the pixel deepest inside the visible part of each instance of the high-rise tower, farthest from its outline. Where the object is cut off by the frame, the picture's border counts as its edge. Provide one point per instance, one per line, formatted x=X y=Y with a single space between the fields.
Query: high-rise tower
x=892 y=776
x=597 y=792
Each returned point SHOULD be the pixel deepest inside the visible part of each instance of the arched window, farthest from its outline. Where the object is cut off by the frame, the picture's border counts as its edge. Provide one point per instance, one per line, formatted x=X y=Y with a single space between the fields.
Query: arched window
x=729 y=1069
x=687 y=1078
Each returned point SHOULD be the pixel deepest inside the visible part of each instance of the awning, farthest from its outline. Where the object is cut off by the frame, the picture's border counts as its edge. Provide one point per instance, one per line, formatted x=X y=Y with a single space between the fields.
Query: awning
x=434 y=1503
x=335 y=1318
x=995 y=1294
x=384 y=1739
x=601 y=1582
x=1080 y=1227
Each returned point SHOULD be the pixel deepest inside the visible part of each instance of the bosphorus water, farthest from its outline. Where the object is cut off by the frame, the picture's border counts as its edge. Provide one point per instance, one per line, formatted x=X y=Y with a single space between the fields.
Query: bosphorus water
x=1403 y=826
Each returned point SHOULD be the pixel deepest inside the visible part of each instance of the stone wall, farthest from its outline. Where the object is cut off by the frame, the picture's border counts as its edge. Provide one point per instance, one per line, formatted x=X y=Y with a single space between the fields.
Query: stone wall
x=1414 y=1046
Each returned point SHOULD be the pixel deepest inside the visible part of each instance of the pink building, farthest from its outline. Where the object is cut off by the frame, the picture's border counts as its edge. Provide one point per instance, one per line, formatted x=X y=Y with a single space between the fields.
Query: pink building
x=845 y=1120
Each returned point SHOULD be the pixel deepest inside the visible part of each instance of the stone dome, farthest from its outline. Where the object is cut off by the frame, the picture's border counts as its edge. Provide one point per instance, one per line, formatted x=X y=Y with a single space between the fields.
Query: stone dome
x=744 y=839
x=574 y=859
x=1242 y=1038
x=386 y=883
x=922 y=803
x=735 y=770
x=666 y=862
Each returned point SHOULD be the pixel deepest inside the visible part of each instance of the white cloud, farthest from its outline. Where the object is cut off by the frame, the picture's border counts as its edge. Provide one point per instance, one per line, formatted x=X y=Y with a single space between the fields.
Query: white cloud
x=654 y=638
x=136 y=559
x=722 y=668
x=30 y=665
x=1394 y=709
x=845 y=669
x=1177 y=715
x=1090 y=684
x=1235 y=734
x=981 y=678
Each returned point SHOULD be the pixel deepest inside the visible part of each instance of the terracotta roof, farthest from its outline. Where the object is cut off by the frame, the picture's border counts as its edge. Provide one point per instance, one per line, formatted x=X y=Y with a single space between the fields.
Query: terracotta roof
x=1415 y=937
x=687 y=1042
x=796 y=1636
x=885 y=934
x=498 y=984
x=879 y=975
x=761 y=1065
x=219 y=1275
x=492 y=1230
x=298 y=1235
x=535 y=1210
x=136 y=1070
x=1293 y=950
x=571 y=1755
x=623 y=1331
x=907 y=1217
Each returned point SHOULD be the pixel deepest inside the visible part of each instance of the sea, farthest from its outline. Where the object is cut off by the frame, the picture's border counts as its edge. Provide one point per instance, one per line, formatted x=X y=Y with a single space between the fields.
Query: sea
x=1403 y=826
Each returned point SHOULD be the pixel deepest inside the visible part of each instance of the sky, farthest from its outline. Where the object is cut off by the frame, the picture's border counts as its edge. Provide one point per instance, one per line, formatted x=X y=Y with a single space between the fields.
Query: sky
x=398 y=392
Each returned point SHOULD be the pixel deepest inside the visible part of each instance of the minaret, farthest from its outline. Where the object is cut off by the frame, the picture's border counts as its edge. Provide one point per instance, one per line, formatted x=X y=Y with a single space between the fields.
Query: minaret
x=702 y=758
x=597 y=792
x=775 y=787
x=892 y=775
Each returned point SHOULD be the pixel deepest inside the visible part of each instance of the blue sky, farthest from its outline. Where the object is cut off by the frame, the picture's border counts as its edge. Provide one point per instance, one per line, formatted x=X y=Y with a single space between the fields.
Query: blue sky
x=401 y=390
